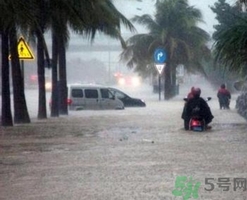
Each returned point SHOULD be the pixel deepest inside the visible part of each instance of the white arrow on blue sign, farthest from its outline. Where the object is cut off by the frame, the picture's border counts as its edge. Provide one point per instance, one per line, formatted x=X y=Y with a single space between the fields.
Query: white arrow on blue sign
x=159 y=56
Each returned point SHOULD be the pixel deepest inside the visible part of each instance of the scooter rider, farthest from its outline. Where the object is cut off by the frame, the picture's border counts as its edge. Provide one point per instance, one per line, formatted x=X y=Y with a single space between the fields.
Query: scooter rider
x=198 y=105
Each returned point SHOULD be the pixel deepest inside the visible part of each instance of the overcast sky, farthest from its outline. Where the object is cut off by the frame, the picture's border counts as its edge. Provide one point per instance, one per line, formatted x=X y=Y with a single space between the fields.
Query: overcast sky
x=208 y=15
x=131 y=8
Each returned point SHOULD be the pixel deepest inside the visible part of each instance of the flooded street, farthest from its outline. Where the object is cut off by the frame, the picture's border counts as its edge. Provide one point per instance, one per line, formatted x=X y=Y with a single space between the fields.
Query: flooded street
x=131 y=154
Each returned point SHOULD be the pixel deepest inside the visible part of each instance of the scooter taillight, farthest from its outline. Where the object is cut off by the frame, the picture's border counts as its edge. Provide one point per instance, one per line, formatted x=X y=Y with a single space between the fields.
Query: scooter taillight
x=69 y=101
x=195 y=123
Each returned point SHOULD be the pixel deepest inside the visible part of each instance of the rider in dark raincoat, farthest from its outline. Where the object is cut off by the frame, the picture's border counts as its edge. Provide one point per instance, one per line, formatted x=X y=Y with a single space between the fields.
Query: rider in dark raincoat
x=198 y=106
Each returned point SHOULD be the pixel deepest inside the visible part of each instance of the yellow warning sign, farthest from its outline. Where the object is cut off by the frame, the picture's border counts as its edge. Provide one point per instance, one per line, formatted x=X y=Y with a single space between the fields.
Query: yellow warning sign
x=24 y=50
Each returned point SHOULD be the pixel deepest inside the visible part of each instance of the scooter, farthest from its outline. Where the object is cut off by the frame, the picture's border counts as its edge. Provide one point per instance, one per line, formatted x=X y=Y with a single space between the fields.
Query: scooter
x=197 y=123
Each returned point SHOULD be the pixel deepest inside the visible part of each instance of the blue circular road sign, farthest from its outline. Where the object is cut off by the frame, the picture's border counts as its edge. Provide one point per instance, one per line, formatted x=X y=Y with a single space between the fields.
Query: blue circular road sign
x=159 y=56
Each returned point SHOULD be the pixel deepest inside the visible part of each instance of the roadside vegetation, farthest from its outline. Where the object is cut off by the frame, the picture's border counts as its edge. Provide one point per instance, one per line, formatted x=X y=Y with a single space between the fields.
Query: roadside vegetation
x=230 y=47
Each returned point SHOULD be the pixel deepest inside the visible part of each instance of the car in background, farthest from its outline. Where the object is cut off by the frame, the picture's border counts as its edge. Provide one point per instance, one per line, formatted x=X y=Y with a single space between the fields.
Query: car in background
x=31 y=82
x=127 y=80
x=91 y=97
x=126 y=99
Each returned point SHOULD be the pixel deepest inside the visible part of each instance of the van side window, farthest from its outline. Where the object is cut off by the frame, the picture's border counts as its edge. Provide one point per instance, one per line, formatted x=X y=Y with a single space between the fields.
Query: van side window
x=105 y=93
x=91 y=93
x=77 y=93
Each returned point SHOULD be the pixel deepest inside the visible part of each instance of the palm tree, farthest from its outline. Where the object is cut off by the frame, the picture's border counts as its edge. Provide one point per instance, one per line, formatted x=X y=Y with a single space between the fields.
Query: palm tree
x=15 y=16
x=41 y=19
x=20 y=107
x=231 y=49
x=6 y=116
x=85 y=18
x=32 y=21
x=6 y=102
x=60 y=37
x=173 y=28
x=230 y=38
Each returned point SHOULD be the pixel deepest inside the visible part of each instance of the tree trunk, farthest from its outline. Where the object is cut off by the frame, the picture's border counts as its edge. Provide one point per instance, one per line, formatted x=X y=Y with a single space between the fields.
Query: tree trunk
x=6 y=101
x=63 y=94
x=173 y=82
x=42 y=114
x=20 y=107
x=54 y=96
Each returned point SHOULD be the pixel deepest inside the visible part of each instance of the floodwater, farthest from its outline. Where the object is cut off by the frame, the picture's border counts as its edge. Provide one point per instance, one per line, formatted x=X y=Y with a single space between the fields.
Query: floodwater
x=131 y=154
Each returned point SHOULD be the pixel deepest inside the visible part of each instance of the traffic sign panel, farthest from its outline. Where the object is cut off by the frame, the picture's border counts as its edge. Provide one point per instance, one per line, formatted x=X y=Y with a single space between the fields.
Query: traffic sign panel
x=160 y=67
x=160 y=56
x=24 y=50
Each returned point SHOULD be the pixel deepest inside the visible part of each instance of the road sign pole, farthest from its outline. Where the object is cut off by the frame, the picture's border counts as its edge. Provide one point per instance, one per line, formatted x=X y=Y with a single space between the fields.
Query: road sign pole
x=159 y=59
x=159 y=87
x=160 y=69
x=23 y=73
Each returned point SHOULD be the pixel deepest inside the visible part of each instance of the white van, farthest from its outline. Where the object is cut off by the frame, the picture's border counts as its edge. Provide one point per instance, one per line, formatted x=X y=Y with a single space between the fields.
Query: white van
x=92 y=97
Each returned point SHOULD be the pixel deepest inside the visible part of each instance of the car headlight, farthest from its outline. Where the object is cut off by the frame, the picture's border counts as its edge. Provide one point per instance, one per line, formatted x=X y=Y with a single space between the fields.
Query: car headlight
x=48 y=85
x=121 y=81
x=135 y=81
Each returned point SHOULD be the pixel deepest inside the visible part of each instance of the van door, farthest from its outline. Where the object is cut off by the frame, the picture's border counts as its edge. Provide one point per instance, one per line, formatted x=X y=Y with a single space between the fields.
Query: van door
x=92 y=100
x=108 y=100
x=77 y=99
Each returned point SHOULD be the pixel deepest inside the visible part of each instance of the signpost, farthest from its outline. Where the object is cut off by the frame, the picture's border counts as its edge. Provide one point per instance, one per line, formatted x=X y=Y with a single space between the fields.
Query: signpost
x=159 y=59
x=24 y=53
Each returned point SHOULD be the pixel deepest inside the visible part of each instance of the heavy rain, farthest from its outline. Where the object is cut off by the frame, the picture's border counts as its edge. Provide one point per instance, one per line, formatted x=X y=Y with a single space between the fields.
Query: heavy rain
x=139 y=153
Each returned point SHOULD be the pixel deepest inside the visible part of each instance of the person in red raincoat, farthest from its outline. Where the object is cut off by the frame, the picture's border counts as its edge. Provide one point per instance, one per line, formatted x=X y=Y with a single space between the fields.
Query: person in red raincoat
x=190 y=94
x=224 y=97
